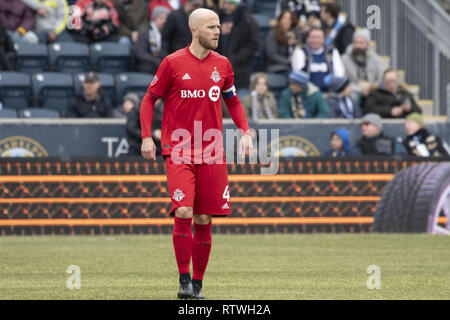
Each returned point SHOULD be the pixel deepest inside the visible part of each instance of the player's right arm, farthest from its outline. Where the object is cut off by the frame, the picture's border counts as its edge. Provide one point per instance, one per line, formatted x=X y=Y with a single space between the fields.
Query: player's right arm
x=156 y=90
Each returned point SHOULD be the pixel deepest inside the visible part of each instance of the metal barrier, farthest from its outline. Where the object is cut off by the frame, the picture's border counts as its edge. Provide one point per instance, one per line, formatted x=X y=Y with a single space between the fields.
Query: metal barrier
x=414 y=33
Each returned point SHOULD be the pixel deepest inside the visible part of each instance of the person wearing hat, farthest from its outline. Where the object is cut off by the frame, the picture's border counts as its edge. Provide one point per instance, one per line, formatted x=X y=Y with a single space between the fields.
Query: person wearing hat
x=91 y=101
x=340 y=100
x=340 y=144
x=374 y=142
x=239 y=40
x=176 y=33
x=130 y=101
x=147 y=49
x=419 y=141
x=362 y=65
x=133 y=17
x=302 y=99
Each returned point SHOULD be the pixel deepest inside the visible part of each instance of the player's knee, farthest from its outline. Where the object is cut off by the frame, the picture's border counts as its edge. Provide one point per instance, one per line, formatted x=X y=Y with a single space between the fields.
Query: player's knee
x=202 y=219
x=183 y=212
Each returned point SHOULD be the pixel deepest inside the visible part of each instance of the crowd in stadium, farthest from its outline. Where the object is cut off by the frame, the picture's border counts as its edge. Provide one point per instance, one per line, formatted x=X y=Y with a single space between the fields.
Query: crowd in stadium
x=293 y=59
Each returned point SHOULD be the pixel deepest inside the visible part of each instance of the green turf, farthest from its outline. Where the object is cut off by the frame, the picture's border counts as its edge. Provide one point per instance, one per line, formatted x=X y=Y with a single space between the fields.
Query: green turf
x=322 y=266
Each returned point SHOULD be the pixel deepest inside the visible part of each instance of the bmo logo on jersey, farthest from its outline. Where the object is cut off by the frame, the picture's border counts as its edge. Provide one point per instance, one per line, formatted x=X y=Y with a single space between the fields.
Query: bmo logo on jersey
x=192 y=94
x=213 y=94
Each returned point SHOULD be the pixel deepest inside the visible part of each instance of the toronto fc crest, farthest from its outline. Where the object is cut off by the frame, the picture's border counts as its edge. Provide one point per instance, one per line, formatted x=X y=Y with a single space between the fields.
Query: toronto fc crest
x=215 y=76
x=178 y=195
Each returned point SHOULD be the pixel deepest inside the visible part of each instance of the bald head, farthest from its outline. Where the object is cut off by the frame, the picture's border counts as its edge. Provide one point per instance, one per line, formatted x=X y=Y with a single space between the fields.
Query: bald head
x=201 y=17
x=205 y=28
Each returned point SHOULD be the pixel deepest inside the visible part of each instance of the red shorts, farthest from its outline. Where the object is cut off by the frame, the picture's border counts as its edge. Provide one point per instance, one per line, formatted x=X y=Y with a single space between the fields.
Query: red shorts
x=203 y=187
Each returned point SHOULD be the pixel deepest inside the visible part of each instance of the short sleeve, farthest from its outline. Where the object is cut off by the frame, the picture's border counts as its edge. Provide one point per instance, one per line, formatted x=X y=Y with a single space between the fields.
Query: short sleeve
x=161 y=81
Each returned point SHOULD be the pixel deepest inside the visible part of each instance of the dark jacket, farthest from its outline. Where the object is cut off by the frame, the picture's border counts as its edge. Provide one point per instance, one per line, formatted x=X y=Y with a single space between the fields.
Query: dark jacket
x=242 y=46
x=432 y=143
x=278 y=54
x=7 y=51
x=376 y=146
x=381 y=101
x=344 y=37
x=176 y=33
x=79 y=107
x=146 y=60
x=132 y=17
x=15 y=14
x=336 y=104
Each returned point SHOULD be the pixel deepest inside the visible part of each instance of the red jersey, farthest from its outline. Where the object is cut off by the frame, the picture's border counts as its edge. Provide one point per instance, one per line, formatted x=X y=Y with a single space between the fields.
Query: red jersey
x=192 y=89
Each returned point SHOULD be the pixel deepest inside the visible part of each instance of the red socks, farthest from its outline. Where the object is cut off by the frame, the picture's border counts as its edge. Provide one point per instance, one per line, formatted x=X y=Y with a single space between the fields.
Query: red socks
x=182 y=243
x=200 y=249
x=185 y=247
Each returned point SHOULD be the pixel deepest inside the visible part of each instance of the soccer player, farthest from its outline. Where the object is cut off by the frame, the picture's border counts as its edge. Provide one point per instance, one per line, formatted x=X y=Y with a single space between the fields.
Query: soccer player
x=191 y=80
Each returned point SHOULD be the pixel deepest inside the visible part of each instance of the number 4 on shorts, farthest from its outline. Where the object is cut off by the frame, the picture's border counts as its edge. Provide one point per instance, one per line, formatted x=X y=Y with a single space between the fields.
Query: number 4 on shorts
x=226 y=194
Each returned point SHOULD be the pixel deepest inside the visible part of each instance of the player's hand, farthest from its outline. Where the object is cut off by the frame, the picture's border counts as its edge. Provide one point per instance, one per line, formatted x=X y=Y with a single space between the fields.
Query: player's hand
x=148 y=149
x=246 y=145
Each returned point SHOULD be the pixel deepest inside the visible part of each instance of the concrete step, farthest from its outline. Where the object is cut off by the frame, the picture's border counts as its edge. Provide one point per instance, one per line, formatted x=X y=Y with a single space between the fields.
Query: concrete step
x=414 y=90
x=385 y=62
x=427 y=107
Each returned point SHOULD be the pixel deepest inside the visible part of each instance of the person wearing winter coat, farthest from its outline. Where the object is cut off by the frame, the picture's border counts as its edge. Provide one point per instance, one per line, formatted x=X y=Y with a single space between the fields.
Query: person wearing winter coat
x=340 y=100
x=260 y=103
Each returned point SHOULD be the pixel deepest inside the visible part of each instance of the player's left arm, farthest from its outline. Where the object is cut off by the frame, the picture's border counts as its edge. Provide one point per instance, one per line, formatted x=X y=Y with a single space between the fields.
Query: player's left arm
x=237 y=113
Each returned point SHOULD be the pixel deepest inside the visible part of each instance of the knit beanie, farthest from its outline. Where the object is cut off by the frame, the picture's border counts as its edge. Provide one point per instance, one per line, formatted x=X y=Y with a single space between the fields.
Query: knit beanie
x=299 y=77
x=363 y=33
x=416 y=117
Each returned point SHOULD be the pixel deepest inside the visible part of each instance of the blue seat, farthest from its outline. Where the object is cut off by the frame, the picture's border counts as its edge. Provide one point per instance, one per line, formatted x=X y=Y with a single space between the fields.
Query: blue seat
x=106 y=81
x=15 y=90
x=69 y=56
x=132 y=82
x=38 y=113
x=32 y=57
x=110 y=57
x=277 y=83
x=8 y=113
x=53 y=90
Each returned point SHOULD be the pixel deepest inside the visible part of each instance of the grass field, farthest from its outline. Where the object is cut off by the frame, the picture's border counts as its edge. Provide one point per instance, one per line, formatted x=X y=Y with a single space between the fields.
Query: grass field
x=321 y=266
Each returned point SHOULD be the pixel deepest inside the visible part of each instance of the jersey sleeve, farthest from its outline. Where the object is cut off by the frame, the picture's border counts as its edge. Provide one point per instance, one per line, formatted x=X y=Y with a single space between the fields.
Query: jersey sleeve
x=228 y=90
x=161 y=82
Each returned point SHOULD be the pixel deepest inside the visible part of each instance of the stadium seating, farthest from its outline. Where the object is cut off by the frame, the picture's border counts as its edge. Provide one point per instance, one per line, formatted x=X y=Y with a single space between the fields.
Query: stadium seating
x=38 y=113
x=52 y=90
x=110 y=57
x=15 y=90
x=106 y=81
x=32 y=57
x=277 y=83
x=8 y=113
x=264 y=7
x=132 y=82
x=69 y=57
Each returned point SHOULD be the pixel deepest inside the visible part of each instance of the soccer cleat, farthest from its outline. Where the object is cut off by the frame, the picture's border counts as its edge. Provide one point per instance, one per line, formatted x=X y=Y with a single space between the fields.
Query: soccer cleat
x=186 y=291
x=197 y=288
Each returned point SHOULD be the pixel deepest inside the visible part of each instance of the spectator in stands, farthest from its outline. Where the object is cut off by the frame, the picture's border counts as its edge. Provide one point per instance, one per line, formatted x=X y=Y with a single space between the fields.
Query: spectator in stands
x=148 y=46
x=90 y=101
x=318 y=60
x=132 y=19
x=340 y=144
x=260 y=103
x=281 y=42
x=130 y=100
x=169 y=4
x=303 y=9
x=419 y=141
x=338 y=29
x=340 y=100
x=374 y=141
x=8 y=53
x=239 y=40
x=98 y=22
x=362 y=65
x=302 y=100
x=391 y=100
x=19 y=20
x=51 y=20
x=176 y=33
x=133 y=129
